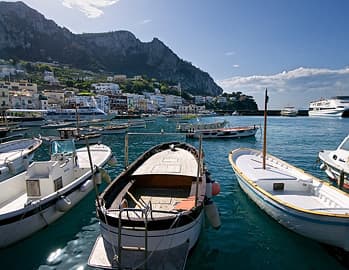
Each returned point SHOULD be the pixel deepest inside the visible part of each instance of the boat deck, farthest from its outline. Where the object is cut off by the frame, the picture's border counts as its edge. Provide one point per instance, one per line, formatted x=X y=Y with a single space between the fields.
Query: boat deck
x=16 y=204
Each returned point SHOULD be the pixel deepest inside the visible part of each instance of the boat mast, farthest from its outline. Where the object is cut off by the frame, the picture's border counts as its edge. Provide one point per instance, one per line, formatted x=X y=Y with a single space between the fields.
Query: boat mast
x=198 y=171
x=265 y=127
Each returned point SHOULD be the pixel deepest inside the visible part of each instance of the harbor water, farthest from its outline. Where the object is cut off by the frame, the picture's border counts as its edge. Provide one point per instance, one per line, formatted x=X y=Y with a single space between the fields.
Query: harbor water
x=248 y=238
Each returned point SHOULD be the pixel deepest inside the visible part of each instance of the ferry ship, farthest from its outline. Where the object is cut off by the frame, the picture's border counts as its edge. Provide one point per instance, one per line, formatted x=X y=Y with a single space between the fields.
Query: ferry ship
x=84 y=113
x=289 y=111
x=335 y=106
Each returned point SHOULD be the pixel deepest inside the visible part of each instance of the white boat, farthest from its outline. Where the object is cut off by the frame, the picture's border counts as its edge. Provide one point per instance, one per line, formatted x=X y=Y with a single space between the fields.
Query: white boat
x=191 y=127
x=34 y=199
x=110 y=129
x=16 y=155
x=336 y=163
x=84 y=113
x=221 y=133
x=289 y=111
x=295 y=199
x=56 y=124
x=137 y=124
x=337 y=106
x=151 y=215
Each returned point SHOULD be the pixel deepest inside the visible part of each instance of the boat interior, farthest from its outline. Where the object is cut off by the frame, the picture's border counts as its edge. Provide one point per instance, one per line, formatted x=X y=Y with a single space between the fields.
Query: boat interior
x=163 y=194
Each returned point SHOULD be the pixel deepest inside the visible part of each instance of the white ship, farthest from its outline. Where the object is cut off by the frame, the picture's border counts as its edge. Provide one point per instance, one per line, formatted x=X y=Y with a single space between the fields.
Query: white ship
x=335 y=106
x=84 y=113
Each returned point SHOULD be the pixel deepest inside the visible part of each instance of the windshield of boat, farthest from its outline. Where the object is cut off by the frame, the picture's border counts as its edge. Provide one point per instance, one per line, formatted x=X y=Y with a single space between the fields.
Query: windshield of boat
x=345 y=145
x=62 y=146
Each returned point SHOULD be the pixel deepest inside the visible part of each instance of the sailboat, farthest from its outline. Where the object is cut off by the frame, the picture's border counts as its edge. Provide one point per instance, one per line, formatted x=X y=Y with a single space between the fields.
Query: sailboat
x=297 y=200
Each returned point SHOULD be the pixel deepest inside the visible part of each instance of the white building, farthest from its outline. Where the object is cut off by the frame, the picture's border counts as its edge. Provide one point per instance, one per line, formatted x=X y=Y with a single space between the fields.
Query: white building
x=199 y=100
x=50 y=78
x=173 y=101
x=106 y=88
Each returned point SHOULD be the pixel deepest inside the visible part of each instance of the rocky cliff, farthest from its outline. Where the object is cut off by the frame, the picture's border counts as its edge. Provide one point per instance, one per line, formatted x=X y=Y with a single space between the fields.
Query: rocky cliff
x=28 y=35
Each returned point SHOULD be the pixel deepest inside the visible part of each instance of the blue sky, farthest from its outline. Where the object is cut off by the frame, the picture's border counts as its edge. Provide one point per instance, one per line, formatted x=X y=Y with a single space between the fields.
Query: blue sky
x=297 y=49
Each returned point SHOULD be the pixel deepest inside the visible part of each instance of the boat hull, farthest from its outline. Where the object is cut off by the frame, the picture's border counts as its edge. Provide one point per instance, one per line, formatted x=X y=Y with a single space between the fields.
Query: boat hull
x=46 y=213
x=313 y=226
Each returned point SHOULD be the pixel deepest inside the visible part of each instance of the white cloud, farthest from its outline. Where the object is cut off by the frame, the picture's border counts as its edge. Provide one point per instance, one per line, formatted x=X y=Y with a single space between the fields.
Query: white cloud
x=91 y=8
x=230 y=53
x=296 y=87
x=145 y=21
x=236 y=66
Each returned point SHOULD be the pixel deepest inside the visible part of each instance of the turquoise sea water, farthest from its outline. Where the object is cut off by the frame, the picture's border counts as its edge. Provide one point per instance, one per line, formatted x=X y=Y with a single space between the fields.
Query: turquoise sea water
x=248 y=238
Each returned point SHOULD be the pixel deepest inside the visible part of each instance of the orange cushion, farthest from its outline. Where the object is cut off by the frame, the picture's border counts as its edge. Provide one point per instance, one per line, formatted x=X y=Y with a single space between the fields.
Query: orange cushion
x=186 y=204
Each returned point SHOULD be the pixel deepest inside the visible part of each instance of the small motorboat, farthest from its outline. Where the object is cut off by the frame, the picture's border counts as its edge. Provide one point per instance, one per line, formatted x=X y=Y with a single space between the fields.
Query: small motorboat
x=16 y=155
x=34 y=199
x=191 y=127
x=336 y=163
x=151 y=215
x=295 y=199
x=110 y=129
x=79 y=135
x=55 y=125
x=221 y=133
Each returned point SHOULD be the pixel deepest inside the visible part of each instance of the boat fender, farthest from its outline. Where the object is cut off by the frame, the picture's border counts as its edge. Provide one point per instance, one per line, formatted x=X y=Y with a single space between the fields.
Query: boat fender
x=97 y=177
x=63 y=204
x=4 y=170
x=323 y=166
x=11 y=167
x=105 y=176
x=112 y=161
x=212 y=214
x=25 y=162
x=330 y=174
x=85 y=186
x=209 y=190
x=216 y=188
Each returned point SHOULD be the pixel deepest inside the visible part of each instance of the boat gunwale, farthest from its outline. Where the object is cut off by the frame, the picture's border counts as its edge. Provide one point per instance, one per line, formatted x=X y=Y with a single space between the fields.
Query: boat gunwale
x=274 y=198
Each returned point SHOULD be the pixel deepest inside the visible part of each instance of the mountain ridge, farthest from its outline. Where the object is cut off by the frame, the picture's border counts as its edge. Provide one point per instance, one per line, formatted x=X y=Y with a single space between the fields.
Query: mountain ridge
x=26 y=34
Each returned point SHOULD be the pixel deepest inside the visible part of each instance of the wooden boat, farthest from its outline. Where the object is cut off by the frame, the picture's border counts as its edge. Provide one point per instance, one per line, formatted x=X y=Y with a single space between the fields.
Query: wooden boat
x=191 y=127
x=16 y=155
x=151 y=215
x=295 y=199
x=79 y=135
x=221 y=133
x=336 y=163
x=34 y=199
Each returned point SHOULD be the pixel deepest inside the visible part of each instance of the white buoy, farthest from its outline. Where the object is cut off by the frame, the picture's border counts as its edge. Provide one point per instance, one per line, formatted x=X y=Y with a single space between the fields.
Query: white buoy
x=11 y=167
x=97 y=177
x=212 y=214
x=25 y=162
x=63 y=204
x=209 y=190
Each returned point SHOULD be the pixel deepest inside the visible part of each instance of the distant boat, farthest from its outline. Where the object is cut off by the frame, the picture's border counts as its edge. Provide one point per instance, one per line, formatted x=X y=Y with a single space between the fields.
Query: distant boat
x=337 y=106
x=221 y=133
x=151 y=215
x=55 y=125
x=36 y=198
x=289 y=111
x=16 y=155
x=109 y=129
x=191 y=127
x=336 y=163
x=85 y=114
